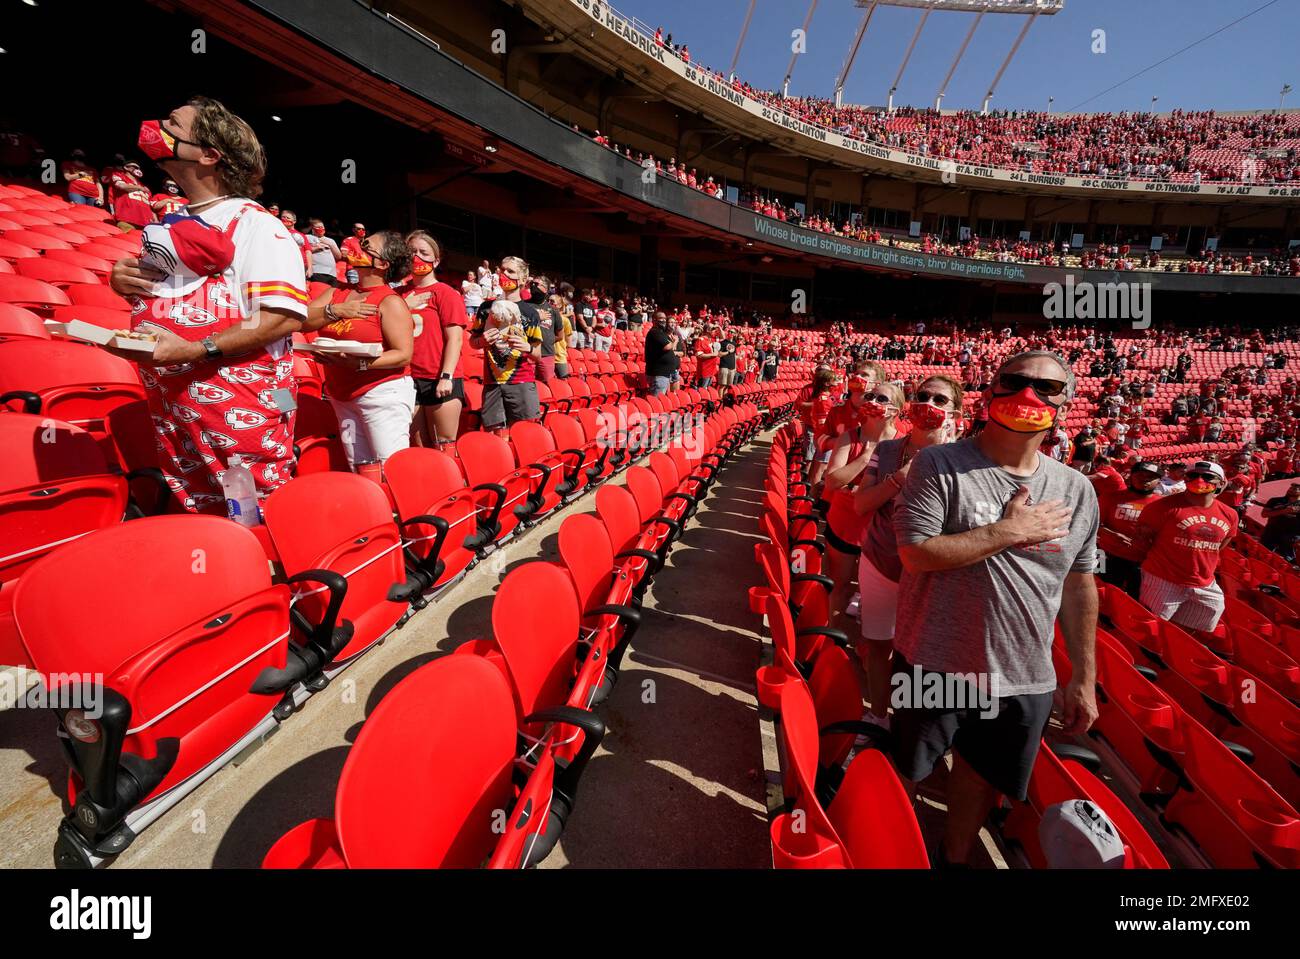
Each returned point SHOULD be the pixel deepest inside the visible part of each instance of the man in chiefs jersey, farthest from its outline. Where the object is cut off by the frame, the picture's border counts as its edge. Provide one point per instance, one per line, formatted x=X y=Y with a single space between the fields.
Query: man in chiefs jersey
x=222 y=290
x=1120 y=511
x=168 y=201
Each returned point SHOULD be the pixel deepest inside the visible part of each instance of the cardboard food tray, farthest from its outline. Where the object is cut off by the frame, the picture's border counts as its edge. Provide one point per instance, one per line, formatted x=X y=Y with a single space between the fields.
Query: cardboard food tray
x=340 y=347
x=90 y=333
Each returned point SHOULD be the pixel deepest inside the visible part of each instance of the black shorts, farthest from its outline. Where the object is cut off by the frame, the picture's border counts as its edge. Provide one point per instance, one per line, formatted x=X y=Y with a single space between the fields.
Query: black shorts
x=426 y=392
x=1001 y=747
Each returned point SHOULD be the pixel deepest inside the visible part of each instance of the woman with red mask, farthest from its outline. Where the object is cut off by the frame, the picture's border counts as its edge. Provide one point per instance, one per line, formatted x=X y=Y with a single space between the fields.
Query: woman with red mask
x=934 y=414
x=373 y=397
x=877 y=409
x=440 y=321
x=222 y=308
x=815 y=402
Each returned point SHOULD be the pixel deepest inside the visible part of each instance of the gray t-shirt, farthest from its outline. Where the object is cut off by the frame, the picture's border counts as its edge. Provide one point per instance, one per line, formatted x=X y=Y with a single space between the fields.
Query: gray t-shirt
x=995 y=616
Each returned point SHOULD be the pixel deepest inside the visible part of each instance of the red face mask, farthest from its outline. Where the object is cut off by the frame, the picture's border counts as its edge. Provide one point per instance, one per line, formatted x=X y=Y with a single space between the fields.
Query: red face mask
x=318 y=231
x=926 y=416
x=857 y=384
x=420 y=266
x=508 y=284
x=156 y=143
x=1022 y=412
x=871 y=410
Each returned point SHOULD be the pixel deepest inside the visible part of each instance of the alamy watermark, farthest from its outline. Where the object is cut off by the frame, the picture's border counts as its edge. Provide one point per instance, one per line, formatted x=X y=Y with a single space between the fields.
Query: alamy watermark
x=1087 y=300
x=28 y=689
x=920 y=689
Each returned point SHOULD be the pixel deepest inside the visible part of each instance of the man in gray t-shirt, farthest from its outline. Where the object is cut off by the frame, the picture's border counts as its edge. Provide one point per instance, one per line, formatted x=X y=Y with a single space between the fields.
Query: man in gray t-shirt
x=997 y=542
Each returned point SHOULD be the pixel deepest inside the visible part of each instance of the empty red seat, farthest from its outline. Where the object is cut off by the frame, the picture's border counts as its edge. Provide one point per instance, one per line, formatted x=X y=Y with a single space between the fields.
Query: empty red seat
x=19 y=321
x=438 y=513
x=77 y=383
x=32 y=293
x=446 y=739
x=341 y=549
x=489 y=465
x=190 y=674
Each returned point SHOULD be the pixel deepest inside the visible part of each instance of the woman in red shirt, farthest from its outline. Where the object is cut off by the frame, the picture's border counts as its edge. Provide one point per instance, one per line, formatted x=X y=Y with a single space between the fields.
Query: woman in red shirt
x=373 y=397
x=440 y=320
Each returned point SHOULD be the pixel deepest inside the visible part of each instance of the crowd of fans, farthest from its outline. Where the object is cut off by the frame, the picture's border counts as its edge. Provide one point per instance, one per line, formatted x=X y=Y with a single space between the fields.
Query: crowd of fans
x=1182 y=146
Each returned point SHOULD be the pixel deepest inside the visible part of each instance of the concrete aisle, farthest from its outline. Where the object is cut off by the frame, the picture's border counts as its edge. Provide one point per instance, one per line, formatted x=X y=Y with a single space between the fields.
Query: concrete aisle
x=676 y=783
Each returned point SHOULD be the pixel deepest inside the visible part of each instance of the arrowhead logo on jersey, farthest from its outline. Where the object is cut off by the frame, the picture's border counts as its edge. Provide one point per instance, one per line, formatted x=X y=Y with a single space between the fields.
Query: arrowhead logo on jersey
x=242 y=375
x=267 y=399
x=209 y=392
x=176 y=370
x=284 y=367
x=242 y=419
x=200 y=500
x=175 y=483
x=271 y=474
x=187 y=465
x=186 y=314
x=218 y=441
x=184 y=414
x=162 y=425
x=148 y=379
x=271 y=446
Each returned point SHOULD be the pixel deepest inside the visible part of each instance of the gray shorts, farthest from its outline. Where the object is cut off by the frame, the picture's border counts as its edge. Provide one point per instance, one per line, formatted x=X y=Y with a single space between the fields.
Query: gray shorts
x=506 y=403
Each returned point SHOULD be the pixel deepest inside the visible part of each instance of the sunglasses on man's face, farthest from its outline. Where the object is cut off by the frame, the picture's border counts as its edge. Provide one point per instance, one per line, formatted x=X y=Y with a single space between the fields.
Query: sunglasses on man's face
x=938 y=399
x=1208 y=477
x=1015 y=382
x=882 y=398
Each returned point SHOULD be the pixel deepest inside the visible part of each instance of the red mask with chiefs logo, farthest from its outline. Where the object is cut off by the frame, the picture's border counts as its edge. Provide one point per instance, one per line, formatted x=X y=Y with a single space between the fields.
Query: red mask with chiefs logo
x=1022 y=412
x=926 y=416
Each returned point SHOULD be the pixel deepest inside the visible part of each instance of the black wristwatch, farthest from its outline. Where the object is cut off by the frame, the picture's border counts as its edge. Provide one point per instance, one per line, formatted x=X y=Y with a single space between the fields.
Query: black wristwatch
x=210 y=348
x=445 y=376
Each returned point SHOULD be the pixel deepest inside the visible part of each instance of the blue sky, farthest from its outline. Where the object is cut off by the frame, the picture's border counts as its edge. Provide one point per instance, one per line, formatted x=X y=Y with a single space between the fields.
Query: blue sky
x=1242 y=68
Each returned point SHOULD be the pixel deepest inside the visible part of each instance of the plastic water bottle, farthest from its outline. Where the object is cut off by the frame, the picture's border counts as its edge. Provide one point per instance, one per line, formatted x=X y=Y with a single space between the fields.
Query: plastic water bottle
x=241 y=493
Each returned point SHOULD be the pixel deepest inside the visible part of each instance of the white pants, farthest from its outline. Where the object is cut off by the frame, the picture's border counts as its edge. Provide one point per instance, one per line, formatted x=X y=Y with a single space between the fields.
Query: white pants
x=1193 y=607
x=601 y=344
x=877 y=602
x=377 y=423
x=578 y=340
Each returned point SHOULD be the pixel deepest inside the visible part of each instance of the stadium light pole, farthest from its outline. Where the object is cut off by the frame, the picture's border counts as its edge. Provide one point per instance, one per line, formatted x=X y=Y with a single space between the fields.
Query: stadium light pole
x=957 y=59
x=1281 y=103
x=1011 y=53
x=794 y=55
x=853 y=53
x=1050 y=101
x=907 y=56
x=740 y=40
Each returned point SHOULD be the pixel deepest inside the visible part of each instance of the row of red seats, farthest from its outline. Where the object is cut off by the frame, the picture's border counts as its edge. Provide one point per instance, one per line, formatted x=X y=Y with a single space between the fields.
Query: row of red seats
x=499 y=791
x=194 y=675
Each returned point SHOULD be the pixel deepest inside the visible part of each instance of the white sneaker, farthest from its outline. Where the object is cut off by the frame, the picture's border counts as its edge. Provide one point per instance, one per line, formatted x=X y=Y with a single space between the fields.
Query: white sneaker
x=854 y=607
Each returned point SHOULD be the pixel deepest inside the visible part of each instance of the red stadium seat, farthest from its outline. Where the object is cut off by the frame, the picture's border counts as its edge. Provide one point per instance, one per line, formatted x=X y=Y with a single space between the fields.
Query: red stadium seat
x=446 y=734
x=73 y=382
x=489 y=465
x=96 y=294
x=868 y=824
x=192 y=676
x=18 y=321
x=437 y=512
x=334 y=533
x=606 y=594
x=32 y=293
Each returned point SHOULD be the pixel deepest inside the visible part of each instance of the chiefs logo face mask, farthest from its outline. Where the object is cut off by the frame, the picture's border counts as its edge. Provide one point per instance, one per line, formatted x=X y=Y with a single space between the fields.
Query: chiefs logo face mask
x=420 y=266
x=508 y=284
x=857 y=384
x=1200 y=486
x=871 y=410
x=1022 y=412
x=926 y=416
